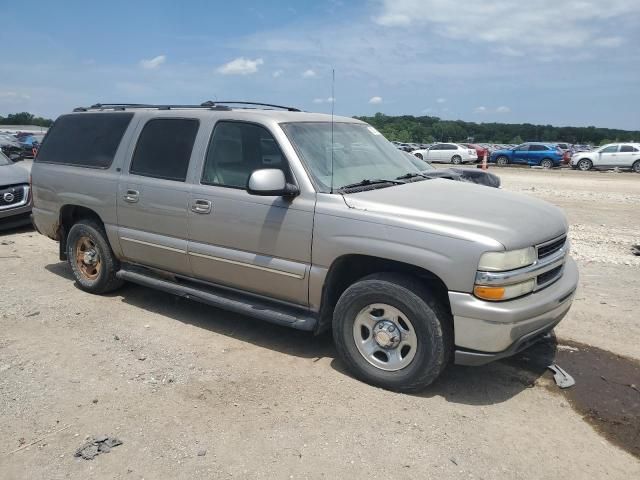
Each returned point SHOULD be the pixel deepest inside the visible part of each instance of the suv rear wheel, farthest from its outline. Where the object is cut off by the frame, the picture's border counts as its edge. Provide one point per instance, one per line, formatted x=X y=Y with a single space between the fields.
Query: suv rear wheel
x=391 y=332
x=636 y=166
x=93 y=264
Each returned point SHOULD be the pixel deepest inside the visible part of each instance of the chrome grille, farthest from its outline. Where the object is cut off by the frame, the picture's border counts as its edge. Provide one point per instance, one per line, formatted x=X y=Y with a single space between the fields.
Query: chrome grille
x=549 y=248
x=13 y=196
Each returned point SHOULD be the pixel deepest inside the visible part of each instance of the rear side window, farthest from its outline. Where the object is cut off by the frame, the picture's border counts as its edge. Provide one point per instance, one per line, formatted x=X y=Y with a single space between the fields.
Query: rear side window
x=85 y=139
x=628 y=148
x=164 y=148
x=537 y=148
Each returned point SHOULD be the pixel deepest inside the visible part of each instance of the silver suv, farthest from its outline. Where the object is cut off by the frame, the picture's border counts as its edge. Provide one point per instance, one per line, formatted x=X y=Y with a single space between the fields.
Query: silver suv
x=307 y=221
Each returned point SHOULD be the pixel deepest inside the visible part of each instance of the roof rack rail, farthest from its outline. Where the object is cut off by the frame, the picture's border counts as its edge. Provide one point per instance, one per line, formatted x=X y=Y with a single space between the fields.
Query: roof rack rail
x=124 y=106
x=209 y=103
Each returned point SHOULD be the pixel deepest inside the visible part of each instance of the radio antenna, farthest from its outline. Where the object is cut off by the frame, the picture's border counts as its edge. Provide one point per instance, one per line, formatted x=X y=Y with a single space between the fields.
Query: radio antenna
x=333 y=102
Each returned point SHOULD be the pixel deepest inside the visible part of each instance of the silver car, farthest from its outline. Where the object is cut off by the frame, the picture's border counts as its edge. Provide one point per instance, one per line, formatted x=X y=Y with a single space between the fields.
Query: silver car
x=15 y=194
x=309 y=221
x=447 y=153
x=614 y=155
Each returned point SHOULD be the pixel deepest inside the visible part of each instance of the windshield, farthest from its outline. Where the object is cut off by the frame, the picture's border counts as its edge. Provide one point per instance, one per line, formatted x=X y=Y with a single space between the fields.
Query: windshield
x=4 y=160
x=360 y=152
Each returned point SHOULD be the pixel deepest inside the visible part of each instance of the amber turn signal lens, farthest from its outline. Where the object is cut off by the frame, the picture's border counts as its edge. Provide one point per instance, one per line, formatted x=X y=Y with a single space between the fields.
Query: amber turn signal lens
x=489 y=293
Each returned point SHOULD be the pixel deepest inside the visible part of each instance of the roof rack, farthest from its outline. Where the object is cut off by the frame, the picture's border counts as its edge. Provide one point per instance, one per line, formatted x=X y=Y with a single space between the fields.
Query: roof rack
x=209 y=104
x=258 y=104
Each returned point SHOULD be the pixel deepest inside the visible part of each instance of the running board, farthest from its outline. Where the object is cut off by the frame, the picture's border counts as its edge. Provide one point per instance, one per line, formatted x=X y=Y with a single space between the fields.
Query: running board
x=248 y=305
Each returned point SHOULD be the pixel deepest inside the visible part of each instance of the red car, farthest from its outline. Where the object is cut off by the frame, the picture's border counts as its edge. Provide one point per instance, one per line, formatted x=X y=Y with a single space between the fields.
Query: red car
x=481 y=151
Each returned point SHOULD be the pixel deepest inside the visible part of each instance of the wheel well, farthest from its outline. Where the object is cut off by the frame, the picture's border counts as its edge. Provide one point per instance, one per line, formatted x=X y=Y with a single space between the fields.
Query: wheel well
x=348 y=269
x=70 y=215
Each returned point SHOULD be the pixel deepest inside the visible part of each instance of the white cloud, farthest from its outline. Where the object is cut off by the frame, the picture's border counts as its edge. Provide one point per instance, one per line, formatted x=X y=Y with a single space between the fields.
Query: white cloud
x=609 y=41
x=240 y=66
x=573 y=23
x=308 y=74
x=503 y=109
x=154 y=62
x=324 y=100
x=375 y=100
x=277 y=73
x=480 y=109
x=441 y=100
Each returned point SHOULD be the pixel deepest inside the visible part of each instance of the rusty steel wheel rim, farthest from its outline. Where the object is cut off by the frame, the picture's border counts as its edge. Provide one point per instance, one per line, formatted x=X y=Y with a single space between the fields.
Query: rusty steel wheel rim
x=87 y=258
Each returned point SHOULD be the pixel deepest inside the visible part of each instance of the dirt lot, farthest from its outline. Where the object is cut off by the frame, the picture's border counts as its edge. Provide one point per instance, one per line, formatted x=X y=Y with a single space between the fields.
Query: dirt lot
x=199 y=393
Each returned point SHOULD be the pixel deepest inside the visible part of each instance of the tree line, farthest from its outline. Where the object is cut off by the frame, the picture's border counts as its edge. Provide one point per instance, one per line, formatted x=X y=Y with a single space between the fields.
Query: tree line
x=25 y=118
x=407 y=128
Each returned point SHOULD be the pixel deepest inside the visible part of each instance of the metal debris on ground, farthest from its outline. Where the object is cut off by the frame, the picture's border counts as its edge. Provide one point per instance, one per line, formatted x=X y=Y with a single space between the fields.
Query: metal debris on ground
x=635 y=249
x=562 y=378
x=96 y=446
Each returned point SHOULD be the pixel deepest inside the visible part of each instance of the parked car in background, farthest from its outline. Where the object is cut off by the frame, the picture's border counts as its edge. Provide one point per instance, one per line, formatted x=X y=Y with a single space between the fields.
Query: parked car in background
x=533 y=154
x=471 y=175
x=29 y=145
x=10 y=146
x=15 y=197
x=620 y=155
x=480 y=150
x=447 y=153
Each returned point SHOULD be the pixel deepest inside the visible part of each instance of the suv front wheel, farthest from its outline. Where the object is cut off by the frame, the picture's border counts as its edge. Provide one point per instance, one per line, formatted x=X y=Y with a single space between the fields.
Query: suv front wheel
x=391 y=332
x=93 y=264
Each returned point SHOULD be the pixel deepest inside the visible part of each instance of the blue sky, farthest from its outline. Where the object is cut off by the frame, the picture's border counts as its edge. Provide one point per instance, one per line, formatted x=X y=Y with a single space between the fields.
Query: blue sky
x=560 y=62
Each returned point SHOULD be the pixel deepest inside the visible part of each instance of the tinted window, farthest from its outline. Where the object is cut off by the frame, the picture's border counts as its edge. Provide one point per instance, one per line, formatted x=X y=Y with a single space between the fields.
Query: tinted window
x=610 y=149
x=164 y=148
x=628 y=148
x=438 y=146
x=448 y=146
x=522 y=148
x=537 y=148
x=85 y=139
x=236 y=150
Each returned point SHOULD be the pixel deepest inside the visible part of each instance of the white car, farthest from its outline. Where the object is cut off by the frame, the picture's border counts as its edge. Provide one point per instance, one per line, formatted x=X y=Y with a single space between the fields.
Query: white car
x=621 y=155
x=447 y=153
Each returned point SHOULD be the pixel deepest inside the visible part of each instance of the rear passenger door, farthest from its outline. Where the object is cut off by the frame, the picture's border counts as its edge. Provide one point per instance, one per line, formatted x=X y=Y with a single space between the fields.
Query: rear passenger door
x=153 y=197
x=253 y=243
x=628 y=155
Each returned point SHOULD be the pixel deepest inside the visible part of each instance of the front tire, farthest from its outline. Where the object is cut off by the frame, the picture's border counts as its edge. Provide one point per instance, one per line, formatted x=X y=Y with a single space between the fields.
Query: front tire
x=91 y=259
x=502 y=161
x=391 y=332
x=419 y=155
x=546 y=163
x=585 y=164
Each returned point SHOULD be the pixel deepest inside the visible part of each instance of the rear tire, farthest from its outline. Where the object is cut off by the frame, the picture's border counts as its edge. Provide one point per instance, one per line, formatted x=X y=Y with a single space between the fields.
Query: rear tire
x=636 y=166
x=456 y=159
x=419 y=155
x=546 y=163
x=91 y=259
x=423 y=329
x=502 y=161
x=585 y=164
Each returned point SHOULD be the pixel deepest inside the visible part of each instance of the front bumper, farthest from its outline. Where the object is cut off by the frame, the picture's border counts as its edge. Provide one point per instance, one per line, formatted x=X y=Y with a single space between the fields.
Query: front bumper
x=488 y=331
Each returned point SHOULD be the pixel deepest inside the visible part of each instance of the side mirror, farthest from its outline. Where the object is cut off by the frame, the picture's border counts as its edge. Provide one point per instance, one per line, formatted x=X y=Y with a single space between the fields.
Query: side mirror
x=270 y=182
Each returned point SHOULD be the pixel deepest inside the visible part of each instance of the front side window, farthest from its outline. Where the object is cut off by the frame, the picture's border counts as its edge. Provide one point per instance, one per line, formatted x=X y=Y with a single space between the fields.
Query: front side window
x=236 y=150
x=609 y=149
x=522 y=148
x=164 y=148
x=358 y=152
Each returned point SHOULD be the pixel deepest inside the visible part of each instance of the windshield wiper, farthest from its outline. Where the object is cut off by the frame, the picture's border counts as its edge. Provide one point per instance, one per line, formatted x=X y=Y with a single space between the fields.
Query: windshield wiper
x=410 y=175
x=367 y=181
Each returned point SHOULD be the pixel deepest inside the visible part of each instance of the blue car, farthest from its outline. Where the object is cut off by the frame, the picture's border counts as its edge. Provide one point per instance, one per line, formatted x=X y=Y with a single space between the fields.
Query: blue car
x=544 y=155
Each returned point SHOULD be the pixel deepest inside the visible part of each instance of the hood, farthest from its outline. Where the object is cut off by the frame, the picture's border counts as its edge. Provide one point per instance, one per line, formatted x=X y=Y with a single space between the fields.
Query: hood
x=13 y=174
x=464 y=210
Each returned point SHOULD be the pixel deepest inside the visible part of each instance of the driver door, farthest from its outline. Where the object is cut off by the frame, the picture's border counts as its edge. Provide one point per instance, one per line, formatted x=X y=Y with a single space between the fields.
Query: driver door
x=608 y=157
x=520 y=154
x=260 y=244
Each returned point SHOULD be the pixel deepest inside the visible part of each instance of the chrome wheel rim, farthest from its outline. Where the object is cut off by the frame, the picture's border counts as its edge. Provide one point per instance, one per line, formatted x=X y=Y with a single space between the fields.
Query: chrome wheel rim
x=502 y=161
x=547 y=164
x=456 y=160
x=584 y=165
x=385 y=337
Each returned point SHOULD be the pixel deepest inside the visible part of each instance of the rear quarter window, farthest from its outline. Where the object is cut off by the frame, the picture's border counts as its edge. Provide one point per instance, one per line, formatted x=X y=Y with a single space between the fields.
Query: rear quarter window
x=85 y=140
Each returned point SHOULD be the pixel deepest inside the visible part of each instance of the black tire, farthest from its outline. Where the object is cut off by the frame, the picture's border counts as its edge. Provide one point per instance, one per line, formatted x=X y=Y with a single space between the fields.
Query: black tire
x=432 y=323
x=546 y=163
x=456 y=159
x=502 y=161
x=419 y=155
x=105 y=278
x=585 y=164
x=636 y=166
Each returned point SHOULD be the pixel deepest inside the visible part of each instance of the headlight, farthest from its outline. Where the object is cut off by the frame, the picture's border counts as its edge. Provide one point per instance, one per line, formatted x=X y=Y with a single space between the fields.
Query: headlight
x=505 y=292
x=510 y=260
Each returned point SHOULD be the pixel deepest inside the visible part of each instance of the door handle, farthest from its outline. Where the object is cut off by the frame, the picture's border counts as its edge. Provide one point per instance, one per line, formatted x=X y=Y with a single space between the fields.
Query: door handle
x=201 y=206
x=132 y=196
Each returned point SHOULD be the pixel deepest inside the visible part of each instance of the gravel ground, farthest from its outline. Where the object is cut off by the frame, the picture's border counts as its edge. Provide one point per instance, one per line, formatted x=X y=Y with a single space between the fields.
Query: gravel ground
x=194 y=392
